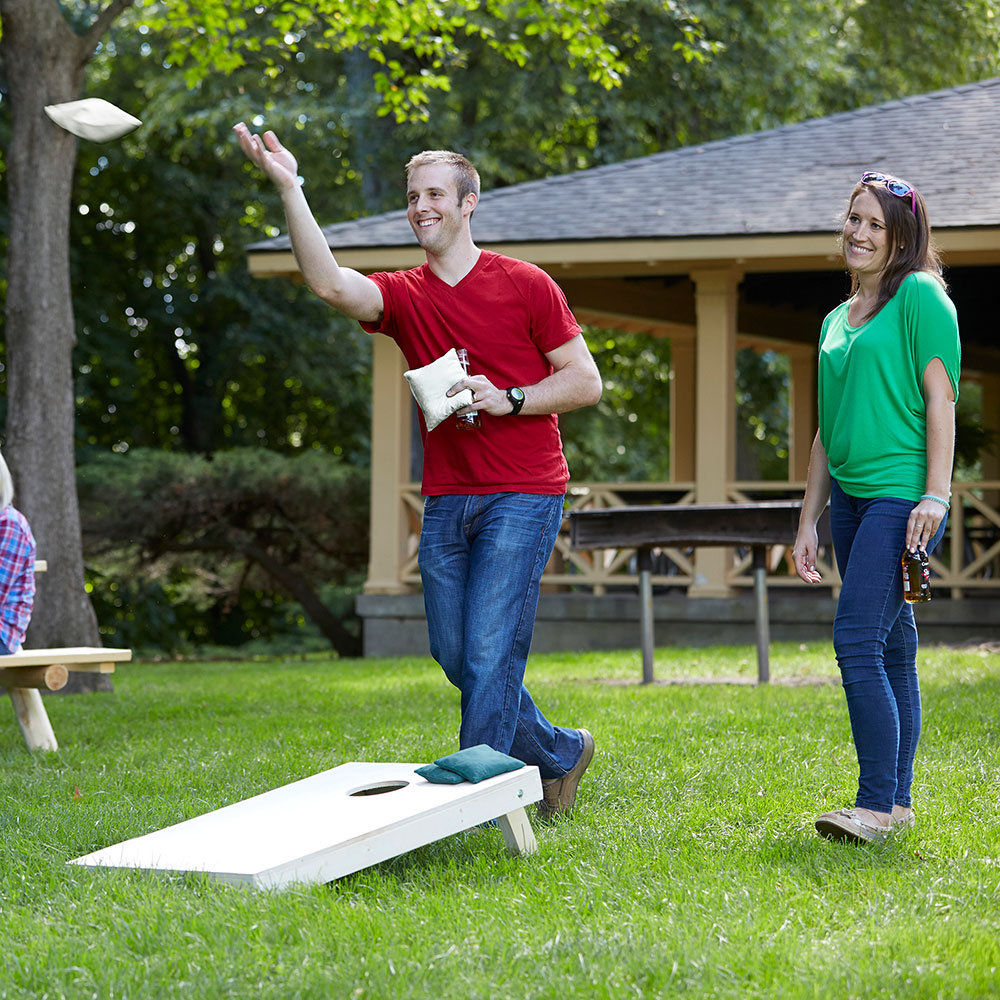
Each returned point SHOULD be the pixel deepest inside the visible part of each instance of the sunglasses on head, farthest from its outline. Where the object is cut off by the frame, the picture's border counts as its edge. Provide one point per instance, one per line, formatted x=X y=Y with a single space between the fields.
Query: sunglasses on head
x=893 y=186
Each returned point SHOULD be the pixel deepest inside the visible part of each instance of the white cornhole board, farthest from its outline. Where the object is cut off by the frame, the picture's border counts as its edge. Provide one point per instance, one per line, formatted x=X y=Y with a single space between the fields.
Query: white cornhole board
x=320 y=828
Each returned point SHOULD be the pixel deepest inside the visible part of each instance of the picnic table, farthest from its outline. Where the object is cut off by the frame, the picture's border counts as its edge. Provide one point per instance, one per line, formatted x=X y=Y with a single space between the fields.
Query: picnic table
x=27 y=672
x=758 y=525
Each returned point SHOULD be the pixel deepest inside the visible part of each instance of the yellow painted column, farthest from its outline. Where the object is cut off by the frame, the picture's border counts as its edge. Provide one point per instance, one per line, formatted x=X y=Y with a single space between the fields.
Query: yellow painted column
x=802 y=415
x=716 y=297
x=682 y=409
x=391 y=415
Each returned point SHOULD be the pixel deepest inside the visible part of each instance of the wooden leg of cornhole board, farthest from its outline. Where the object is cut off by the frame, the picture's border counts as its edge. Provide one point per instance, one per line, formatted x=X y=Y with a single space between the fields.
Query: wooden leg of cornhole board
x=763 y=619
x=33 y=719
x=644 y=557
x=517 y=832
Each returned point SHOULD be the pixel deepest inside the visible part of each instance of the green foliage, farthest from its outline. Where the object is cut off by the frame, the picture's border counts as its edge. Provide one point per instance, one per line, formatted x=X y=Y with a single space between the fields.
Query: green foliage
x=626 y=436
x=178 y=346
x=783 y=62
x=185 y=550
x=418 y=47
x=690 y=869
x=762 y=381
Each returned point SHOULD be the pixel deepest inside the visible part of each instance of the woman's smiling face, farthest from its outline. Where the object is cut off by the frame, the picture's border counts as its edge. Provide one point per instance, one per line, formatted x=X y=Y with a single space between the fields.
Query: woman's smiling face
x=866 y=238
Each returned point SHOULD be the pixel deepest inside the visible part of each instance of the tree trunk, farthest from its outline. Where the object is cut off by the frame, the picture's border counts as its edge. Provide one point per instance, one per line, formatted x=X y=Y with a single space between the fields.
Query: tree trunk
x=45 y=63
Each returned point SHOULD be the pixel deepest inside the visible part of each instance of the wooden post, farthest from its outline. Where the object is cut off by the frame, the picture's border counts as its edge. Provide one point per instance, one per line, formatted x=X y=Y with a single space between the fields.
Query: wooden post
x=801 y=411
x=390 y=464
x=682 y=409
x=716 y=297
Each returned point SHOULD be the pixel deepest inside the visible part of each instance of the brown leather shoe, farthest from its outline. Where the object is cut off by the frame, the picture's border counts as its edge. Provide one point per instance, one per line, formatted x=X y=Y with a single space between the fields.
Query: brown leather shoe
x=559 y=794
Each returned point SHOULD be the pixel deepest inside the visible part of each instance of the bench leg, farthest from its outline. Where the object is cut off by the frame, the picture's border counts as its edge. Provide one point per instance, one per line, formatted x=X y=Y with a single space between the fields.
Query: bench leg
x=763 y=617
x=517 y=832
x=33 y=719
x=645 y=564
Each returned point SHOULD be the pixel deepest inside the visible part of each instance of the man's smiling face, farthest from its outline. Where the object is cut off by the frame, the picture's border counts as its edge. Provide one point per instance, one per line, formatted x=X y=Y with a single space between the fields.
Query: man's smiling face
x=435 y=214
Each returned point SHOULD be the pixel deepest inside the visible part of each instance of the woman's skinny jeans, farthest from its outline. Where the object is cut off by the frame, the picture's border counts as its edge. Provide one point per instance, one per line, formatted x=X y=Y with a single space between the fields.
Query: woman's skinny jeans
x=875 y=639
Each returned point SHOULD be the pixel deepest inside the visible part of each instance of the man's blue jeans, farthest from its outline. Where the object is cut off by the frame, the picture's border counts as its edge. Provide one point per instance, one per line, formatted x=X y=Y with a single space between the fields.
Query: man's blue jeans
x=481 y=562
x=875 y=638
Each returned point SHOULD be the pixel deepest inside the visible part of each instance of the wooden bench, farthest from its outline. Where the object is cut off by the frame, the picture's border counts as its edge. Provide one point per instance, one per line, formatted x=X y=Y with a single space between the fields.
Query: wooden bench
x=28 y=672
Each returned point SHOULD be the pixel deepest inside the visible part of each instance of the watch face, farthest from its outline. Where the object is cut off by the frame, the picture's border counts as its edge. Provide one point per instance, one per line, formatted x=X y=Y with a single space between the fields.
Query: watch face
x=516 y=394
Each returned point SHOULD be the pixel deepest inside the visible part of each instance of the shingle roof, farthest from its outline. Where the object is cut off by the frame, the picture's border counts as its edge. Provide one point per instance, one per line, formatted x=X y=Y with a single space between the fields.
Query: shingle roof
x=792 y=179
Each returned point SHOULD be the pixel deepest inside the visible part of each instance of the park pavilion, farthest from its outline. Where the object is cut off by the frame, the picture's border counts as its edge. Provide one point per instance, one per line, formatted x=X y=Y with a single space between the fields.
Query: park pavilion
x=718 y=246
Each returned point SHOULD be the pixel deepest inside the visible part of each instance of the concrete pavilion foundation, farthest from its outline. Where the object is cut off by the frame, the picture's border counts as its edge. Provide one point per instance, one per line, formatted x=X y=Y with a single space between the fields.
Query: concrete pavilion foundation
x=394 y=624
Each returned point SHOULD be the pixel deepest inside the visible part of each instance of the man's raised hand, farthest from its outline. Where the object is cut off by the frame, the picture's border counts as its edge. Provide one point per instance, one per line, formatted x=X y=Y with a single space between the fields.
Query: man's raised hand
x=276 y=161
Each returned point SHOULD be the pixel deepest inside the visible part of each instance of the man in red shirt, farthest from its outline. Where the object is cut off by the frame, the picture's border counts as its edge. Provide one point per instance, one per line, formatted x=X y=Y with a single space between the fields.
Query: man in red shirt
x=494 y=495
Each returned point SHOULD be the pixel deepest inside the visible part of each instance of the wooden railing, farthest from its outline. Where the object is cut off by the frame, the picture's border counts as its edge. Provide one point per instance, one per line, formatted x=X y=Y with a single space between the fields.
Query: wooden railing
x=967 y=560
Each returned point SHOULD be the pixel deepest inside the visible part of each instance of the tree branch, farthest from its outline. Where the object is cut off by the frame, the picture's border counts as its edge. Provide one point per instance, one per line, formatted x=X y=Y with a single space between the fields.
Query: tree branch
x=102 y=23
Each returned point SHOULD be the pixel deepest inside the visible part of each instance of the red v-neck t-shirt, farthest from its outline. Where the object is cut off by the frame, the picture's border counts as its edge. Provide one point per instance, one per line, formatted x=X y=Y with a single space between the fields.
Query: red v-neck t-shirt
x=508 y=314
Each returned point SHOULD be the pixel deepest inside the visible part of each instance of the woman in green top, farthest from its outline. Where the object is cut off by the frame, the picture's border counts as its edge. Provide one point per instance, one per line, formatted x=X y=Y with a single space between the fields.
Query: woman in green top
x=888 y=379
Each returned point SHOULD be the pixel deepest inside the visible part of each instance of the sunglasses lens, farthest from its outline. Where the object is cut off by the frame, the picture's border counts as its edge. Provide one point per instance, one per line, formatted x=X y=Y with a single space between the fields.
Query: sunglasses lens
x=870 y=178
x=898 y=188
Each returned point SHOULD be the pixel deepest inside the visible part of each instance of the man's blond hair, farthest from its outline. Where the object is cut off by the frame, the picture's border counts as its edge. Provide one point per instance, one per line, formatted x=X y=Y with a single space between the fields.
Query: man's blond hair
x=466 y=175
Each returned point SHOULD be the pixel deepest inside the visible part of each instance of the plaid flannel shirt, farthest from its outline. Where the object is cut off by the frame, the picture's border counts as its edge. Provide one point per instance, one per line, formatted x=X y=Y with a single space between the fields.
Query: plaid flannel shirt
x=17 y=577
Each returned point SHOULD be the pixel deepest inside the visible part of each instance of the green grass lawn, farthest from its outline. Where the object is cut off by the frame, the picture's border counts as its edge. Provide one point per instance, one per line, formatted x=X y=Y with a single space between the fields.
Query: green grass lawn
x=691 y=867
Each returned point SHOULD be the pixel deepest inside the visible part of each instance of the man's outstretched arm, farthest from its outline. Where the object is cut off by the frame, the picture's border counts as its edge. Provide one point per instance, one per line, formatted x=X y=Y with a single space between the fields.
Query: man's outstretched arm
x=346 y=290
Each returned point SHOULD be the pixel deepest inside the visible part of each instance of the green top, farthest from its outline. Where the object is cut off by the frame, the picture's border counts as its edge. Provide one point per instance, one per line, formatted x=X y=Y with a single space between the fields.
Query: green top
x=872 y=419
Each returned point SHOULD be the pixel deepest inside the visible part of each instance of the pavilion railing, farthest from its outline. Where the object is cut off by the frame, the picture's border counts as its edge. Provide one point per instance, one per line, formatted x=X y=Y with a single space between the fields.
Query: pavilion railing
x=967 y=561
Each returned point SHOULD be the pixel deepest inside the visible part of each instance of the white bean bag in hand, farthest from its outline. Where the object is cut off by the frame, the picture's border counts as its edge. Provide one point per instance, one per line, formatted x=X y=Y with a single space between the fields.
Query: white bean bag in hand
x=92 y=119
x=430 y=384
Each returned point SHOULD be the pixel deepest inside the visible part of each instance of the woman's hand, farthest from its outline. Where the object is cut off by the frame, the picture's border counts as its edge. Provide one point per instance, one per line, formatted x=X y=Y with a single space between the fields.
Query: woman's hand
x=804 y=554
x=925 y=519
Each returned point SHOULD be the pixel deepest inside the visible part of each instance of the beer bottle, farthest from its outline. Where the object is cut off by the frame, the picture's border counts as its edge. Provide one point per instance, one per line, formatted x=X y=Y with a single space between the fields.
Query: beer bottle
x=916 y=577
x=466 y=421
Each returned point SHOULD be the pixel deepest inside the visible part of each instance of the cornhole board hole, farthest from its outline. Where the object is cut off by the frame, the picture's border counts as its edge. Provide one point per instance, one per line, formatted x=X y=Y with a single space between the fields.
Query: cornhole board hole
x=330 y=825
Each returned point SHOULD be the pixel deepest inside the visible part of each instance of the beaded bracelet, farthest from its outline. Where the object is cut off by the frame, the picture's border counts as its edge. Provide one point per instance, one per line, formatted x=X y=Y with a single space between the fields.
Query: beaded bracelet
x=930 y=496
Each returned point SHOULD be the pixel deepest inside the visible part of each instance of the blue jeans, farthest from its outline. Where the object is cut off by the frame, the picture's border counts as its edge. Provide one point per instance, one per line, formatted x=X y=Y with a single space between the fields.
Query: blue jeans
x=481 y=562
x=875 y=639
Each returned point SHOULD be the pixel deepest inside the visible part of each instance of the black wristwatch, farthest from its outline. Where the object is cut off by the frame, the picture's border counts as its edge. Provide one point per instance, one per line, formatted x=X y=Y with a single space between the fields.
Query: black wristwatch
x=516 y=397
